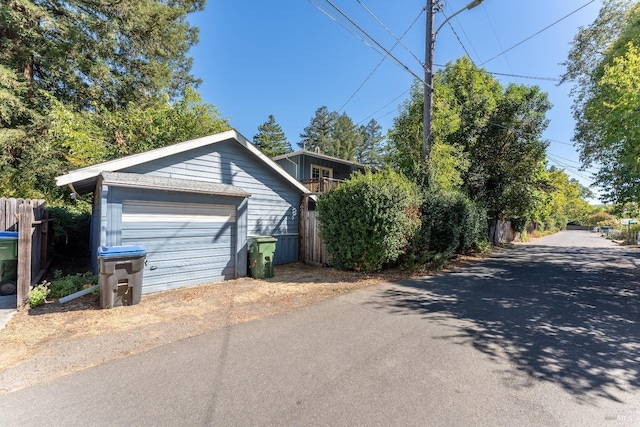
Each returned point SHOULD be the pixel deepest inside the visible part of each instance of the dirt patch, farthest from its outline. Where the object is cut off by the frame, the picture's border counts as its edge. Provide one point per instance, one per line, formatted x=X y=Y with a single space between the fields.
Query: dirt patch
x=55 y=339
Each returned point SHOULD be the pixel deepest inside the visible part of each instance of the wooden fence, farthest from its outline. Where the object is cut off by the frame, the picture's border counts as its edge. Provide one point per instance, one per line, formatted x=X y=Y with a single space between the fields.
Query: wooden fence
x=312 y=249
x=31 y=220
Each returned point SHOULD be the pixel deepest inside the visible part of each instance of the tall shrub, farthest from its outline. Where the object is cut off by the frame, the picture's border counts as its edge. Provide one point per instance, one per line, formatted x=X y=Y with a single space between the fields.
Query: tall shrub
x=450 y=223
x=369 y=220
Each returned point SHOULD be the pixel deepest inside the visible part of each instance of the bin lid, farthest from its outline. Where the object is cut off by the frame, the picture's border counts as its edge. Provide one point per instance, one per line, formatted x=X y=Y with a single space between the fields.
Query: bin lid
x=262 y=239
x=8 y=235
x=121 y=251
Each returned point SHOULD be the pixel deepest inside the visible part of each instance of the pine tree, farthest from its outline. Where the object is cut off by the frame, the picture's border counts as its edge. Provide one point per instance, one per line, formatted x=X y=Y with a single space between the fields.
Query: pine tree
x=346 y=138
x=318 y=135
x=270 y=138
x=370 y=152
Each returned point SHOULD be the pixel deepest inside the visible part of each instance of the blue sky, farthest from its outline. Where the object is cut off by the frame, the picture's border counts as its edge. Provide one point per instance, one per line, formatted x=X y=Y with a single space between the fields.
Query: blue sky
x=288 y=58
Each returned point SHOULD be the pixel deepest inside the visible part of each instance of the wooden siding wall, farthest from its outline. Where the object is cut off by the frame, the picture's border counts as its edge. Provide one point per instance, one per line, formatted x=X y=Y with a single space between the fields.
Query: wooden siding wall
x=340 y=170
x=31 y=220
x=272 y=208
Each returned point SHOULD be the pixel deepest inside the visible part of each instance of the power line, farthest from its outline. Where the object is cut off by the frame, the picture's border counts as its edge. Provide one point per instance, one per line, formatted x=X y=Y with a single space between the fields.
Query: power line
x=458 y=37
x=496 y=36
x=383 y=107
x=342 y=23
x=402 y=65
x=398 y=40
x=533 y=35
x=519 y=76
x=379 y=64
x=468 y=39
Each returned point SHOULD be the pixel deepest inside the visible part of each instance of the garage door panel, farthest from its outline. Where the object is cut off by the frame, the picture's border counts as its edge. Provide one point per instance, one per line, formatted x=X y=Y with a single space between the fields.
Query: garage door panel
x=168 y=226
x=187 y=244
x=195 y=277
x=183 y=243
x=216 y=256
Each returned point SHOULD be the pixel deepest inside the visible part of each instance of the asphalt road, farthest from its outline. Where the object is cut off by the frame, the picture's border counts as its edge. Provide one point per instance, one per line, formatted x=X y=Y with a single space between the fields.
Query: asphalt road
x=543 y=334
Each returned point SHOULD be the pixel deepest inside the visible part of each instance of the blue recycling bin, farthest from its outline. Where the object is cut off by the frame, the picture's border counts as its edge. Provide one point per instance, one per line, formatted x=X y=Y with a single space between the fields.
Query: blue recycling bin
x=8 y=262
x=121 y=269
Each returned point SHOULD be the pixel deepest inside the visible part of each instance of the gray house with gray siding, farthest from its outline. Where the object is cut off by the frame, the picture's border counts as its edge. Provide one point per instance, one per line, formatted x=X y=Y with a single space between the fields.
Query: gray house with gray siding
x=318 y=172
x=192 y=205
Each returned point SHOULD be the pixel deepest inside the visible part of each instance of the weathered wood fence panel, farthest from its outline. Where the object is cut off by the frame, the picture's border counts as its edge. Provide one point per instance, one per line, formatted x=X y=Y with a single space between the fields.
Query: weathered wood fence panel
x=31 y=220
x=312 y=250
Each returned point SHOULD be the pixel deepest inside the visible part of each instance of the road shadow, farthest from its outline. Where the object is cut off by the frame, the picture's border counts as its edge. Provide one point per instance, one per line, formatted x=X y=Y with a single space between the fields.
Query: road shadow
x=569 y=316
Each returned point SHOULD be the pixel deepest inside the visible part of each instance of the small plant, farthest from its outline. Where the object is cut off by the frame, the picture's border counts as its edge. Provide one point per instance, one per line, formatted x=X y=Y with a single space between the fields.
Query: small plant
x=483 y=247
x=441 y=259
x=63 y=286
x=38 y=295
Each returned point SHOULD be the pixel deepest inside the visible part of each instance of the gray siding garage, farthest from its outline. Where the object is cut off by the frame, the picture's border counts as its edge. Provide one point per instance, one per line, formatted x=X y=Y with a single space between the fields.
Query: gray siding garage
x=192 y=205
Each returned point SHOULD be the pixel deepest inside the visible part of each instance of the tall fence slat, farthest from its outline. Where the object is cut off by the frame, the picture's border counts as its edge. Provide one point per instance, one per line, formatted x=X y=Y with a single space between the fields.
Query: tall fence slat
x=25 y=231
x=31 y=220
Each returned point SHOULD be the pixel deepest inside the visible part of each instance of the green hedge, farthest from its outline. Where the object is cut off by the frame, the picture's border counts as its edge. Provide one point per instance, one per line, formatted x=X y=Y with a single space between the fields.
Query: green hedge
x=450 y=223
x=369 y=220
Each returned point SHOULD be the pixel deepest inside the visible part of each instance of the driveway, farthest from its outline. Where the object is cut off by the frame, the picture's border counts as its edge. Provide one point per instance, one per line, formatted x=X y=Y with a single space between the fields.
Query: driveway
x=7 y=309
x=542 y=334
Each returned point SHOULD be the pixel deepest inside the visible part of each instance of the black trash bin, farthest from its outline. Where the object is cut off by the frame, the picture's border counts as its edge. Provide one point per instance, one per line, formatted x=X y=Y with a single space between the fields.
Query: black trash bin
x=121 y=269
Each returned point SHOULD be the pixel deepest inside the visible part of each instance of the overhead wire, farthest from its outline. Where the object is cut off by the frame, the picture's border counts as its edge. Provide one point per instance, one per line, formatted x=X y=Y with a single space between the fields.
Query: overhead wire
x=468 y=39
x=537 y=33
x=379 y=64
x=458 y=37
x=397 y=61
x=495 y=34
x=398 y=40
x=342 y=23
x=402 y=65
x=383 y=107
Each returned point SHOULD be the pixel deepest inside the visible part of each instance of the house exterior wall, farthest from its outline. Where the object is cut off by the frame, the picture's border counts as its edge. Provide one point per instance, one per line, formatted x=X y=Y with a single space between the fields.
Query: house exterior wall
x=303 y=162
x=272 y=208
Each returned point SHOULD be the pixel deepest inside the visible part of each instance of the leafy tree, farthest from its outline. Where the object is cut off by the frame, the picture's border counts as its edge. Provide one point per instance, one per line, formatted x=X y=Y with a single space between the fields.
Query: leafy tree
x=601 y=218
x=562 y=201
x=509 y=154
x=604 y=63
x=371 y=148
x=318 y=134
x=270 y=138
x=345 y=138
x=80 y=138
x=70 y=71
x=404 y=147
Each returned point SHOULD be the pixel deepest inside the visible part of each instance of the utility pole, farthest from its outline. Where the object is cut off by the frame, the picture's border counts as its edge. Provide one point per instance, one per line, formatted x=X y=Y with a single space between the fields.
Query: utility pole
x=428 y=82
x=427 y=139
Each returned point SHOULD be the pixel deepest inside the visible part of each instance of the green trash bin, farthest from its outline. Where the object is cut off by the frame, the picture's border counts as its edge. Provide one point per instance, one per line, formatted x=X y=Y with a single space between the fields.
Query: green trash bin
x=8 y=262
x=261 y=251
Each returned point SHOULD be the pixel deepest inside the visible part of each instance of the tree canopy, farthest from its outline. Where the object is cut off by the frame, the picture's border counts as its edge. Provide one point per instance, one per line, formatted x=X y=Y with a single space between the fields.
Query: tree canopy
x=85 y=81
x=487 y=139
x=335 y=134
x=604 y=63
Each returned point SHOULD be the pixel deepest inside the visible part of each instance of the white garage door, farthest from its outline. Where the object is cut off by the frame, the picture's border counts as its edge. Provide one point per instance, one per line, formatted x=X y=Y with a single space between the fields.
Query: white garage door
x=187 y=244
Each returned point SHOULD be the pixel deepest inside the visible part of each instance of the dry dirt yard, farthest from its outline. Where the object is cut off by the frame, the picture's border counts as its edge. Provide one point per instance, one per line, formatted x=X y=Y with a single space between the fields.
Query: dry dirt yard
x=53 y=340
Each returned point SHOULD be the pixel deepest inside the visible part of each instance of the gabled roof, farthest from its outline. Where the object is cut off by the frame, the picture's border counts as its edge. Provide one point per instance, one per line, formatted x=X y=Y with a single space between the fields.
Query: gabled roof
x=318 y=156
x=90 y=174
